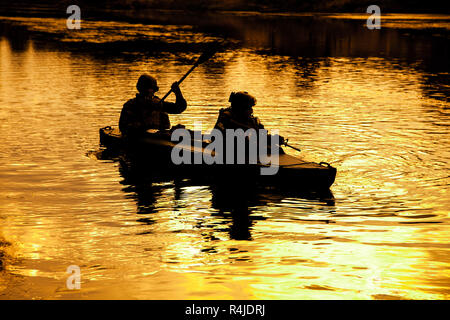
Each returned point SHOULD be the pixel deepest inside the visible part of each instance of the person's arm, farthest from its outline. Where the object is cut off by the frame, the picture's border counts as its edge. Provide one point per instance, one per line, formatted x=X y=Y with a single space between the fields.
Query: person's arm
x=230 y=123
x=259 y=125
x=180 y=103
x=280 y=139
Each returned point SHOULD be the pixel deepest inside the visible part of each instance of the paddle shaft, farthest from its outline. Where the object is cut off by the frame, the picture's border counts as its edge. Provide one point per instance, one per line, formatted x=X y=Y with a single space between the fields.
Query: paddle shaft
x=181 y=80
x=248 y=127
x=288 y=145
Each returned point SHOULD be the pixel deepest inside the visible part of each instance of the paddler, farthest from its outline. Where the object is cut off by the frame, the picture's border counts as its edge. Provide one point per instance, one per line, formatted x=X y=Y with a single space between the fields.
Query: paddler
x=240 y=114
x=146 y=111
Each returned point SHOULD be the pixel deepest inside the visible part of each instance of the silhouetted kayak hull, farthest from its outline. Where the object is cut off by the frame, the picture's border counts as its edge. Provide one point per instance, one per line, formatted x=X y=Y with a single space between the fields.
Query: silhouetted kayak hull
x=154 y=150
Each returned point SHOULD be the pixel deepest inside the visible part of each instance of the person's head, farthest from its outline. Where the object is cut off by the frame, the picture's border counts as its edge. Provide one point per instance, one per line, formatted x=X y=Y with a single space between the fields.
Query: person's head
x=147 y=85
x=242 y=102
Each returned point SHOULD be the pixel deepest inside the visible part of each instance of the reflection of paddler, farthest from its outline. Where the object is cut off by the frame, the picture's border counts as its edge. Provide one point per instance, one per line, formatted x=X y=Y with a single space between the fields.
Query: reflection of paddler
x=234 y=201
x=145 y=185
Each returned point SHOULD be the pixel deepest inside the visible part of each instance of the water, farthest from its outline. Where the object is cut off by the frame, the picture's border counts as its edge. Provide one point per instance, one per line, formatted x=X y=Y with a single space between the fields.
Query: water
x=375 y=105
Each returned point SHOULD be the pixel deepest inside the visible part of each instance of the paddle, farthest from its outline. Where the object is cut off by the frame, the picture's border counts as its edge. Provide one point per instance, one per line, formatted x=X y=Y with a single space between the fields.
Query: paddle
x=288 y=145
x=204 y=57
x=285 y=141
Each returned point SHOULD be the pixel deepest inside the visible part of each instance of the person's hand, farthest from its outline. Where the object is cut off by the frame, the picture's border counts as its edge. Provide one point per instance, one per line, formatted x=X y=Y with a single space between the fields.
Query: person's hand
x=281 y=140
x=176 y=87
x=178 y=126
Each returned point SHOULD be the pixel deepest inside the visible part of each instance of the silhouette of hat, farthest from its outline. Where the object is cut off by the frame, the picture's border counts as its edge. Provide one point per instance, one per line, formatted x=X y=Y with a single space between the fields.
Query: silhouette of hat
x=146 y=82
x=242 y=98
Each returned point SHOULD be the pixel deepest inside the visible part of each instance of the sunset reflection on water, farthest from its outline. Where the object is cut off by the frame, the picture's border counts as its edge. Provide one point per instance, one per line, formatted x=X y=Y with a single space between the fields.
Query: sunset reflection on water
x=382 y=121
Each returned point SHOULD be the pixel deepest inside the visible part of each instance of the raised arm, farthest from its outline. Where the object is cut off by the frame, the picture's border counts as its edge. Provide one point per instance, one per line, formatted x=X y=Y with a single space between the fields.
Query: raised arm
x=180 y=103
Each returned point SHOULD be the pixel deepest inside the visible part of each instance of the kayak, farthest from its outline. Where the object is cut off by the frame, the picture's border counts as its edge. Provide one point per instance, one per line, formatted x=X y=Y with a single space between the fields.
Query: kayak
x=155 y=149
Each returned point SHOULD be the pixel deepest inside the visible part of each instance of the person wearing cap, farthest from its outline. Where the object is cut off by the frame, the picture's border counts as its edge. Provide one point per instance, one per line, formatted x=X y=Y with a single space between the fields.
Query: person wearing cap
x=240 y=114
x=146 y=111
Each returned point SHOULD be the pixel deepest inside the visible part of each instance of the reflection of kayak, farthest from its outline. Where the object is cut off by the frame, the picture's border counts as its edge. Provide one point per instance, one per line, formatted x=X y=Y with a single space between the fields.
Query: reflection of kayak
x=155 y=149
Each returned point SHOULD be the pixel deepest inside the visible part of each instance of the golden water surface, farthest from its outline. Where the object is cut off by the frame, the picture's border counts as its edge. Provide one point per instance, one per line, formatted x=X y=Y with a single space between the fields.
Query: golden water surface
x=381 y=119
